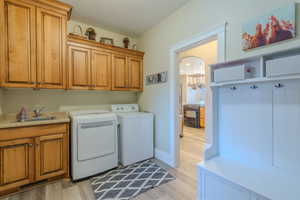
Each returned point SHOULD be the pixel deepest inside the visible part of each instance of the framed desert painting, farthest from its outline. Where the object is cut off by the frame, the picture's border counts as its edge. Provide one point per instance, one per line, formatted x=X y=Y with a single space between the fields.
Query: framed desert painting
x=277 y=26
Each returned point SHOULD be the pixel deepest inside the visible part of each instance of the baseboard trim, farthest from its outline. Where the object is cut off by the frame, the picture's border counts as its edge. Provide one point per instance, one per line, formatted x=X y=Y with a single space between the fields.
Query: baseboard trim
x=164 y=157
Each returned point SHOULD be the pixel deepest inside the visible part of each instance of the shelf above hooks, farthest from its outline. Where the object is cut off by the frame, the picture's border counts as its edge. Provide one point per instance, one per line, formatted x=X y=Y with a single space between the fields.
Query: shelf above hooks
x=266 y=68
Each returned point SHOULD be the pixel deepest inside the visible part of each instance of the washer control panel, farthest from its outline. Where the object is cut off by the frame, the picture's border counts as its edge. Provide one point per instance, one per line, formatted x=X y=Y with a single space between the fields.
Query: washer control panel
x=125 y=108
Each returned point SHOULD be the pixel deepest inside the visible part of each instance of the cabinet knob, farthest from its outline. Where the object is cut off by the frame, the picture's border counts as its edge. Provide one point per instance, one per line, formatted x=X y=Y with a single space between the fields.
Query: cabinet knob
x=278 y=85
x=30 y=145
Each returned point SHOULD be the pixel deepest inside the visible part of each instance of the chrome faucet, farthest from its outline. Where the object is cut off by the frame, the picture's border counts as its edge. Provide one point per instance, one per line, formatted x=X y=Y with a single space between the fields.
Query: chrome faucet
x=38 y=112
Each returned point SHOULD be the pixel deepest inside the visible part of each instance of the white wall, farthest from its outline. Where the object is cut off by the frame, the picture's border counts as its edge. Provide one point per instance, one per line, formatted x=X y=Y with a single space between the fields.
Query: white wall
x=197 y=16
x=118 y=38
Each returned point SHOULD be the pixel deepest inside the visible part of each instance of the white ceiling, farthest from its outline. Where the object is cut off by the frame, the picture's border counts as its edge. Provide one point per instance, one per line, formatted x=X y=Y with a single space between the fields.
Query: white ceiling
x=132 y=17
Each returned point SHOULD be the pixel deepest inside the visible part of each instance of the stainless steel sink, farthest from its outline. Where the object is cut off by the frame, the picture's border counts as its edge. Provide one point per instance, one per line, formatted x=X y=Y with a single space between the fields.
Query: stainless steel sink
x=38 y=119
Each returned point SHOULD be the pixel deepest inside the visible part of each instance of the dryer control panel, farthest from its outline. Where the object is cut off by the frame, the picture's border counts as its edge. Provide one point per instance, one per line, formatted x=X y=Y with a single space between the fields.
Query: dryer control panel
x=125 y=108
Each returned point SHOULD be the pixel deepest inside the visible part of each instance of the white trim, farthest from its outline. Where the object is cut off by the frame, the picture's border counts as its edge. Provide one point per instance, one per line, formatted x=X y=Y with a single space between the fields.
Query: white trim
x=163 y=156
x=218 y=32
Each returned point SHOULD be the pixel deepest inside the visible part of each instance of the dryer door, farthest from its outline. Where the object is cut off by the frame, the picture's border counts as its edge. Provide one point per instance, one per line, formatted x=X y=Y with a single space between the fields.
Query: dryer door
x=96 y=139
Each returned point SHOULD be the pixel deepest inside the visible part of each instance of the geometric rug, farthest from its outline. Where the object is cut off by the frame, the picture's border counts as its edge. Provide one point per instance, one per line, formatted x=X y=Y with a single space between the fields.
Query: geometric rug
x=128 y=182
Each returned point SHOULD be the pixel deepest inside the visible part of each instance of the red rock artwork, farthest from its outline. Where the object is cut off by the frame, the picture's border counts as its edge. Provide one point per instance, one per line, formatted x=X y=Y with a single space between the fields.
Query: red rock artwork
x=271 y=29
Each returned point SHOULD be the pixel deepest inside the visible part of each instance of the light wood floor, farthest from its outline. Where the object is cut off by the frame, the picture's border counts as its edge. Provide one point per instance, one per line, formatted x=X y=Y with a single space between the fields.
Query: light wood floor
x=183 y=188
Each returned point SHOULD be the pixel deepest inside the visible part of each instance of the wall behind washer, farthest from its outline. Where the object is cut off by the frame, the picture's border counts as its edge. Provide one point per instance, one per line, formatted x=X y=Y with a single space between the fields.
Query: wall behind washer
x=14 y=99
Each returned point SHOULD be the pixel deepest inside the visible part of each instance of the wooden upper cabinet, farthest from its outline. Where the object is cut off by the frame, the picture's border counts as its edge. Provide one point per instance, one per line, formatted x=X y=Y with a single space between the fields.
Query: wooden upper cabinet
x=51 y=157
x=17 y=162
x=135 y=73
x=119 y=72
x=33 y=43
x=19 y=44
x=97 y=66
x=79 y=68
x=51 y=53
x=101 y=70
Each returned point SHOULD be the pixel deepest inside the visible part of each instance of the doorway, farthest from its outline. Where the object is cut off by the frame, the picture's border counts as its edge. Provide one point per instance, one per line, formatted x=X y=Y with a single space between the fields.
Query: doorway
x=193 y=85
x=217 y=33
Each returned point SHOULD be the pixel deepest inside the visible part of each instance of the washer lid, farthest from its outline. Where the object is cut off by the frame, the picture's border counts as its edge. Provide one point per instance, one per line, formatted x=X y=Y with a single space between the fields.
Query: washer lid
x=134 y=114
x=95 y=118
x=88 y=112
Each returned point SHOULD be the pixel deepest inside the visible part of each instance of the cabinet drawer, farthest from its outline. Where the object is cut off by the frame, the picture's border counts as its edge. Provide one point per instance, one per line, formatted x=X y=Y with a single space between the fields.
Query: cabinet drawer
x=230 y=74
x=283 y=66
x=33 y=131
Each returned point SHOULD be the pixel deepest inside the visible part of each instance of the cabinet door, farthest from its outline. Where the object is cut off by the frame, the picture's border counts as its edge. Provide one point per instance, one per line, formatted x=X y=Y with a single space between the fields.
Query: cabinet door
x=51 y=156
x=101 y=70
x=286 y=126
x=119 y=72
x=51 y=39
x=17 y=163
x=18 y=48
x=135 y=73
x=79 y=68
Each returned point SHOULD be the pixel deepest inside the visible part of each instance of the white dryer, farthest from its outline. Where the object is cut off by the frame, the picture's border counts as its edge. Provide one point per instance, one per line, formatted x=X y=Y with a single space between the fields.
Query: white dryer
x=135 y=134
x=94 y=143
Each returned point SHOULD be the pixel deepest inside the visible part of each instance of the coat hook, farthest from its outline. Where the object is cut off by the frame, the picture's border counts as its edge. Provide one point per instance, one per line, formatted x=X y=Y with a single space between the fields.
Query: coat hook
x=233 y=88
x=278 y=85
x=253 y=87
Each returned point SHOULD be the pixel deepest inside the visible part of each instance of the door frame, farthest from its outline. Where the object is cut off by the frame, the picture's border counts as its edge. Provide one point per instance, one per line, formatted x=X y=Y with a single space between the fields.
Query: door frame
x=216 y=33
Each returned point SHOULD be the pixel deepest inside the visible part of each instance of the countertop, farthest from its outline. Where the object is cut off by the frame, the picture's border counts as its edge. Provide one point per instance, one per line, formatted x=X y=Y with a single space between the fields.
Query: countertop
x=9 y=120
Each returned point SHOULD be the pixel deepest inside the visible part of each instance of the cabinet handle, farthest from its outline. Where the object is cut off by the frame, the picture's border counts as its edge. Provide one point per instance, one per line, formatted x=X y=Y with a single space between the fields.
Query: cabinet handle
x=278 y=85
x=30 y=145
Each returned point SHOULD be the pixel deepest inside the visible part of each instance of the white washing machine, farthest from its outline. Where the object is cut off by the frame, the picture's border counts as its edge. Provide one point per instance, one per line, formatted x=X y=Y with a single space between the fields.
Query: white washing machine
x=135 y=134
x=94 y=142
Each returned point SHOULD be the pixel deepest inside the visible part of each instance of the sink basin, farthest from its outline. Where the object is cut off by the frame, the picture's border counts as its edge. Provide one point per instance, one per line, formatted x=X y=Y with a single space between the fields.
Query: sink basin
x=38 y=119
x=41 y=118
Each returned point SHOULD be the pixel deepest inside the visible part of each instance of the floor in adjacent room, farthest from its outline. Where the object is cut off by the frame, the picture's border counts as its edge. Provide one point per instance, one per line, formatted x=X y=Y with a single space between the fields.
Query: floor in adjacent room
x=184 y=187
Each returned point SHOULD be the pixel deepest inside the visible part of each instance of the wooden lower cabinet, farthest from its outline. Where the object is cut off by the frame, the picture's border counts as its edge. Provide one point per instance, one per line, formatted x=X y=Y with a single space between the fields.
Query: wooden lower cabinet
x=17 y=162
x=32 y=154
x=51 y=152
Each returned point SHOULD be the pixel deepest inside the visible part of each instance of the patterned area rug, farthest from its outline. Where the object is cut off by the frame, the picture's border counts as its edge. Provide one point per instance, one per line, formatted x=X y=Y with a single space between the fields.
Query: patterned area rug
x=128 y=182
